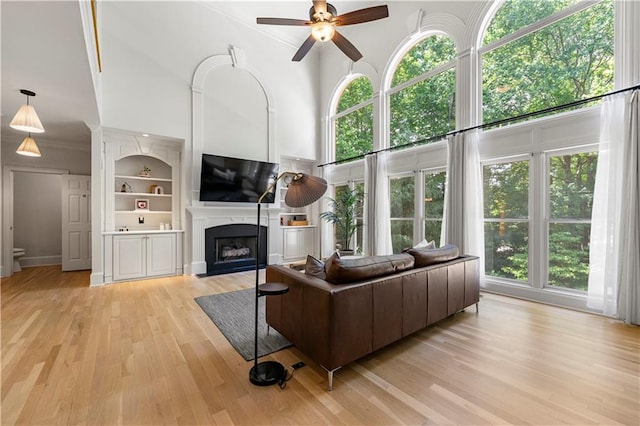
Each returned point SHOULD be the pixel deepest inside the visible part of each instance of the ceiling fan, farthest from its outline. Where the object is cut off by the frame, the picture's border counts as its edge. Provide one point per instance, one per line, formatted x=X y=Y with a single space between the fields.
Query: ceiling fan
x=323 y=18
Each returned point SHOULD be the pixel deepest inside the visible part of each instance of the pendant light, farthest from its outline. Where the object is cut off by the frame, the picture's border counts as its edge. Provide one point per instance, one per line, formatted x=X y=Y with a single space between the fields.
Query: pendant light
x=28 y=147
x=26 y=118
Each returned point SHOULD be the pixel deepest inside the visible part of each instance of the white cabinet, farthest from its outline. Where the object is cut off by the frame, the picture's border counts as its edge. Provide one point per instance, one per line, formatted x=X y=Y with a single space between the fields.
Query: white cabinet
x=298 y=242
x=143 y=255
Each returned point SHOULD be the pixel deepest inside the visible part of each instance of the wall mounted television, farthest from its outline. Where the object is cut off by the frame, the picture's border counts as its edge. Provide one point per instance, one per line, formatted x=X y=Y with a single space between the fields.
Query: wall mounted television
x=230 y=179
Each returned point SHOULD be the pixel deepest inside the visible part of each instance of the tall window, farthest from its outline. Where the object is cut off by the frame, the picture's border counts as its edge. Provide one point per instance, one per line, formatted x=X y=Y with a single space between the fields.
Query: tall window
x=353 y=121
x=356 y=242
x=434 y=185
x=506 y=219
x=545 y=65
x=401 y=192
x=422 y=97
x=571 y=183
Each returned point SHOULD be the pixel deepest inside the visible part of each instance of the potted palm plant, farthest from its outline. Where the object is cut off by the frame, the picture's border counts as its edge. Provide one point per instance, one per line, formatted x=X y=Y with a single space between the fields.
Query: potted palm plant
x=343 y=216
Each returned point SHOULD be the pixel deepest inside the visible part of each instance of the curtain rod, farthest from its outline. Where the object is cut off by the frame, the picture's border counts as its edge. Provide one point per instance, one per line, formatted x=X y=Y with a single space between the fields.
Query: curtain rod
x=485 y=125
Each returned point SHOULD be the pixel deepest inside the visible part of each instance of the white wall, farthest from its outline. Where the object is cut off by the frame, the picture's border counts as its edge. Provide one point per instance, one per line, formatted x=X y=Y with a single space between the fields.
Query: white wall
x=77 y=162
x=37 y=217
x=151 y=50
x=235 y=115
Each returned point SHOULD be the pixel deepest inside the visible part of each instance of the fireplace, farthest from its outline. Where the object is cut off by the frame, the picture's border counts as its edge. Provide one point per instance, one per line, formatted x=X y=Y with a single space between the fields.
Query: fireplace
x=233 y=248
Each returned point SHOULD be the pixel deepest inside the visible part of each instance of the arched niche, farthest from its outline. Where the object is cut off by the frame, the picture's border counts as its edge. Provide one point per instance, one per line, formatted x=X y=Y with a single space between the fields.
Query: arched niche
x=232 y=115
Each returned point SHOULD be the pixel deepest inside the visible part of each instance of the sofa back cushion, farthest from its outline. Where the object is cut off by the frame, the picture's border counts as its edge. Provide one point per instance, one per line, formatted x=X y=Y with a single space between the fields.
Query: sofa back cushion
x=426 y=257
x=343 y=271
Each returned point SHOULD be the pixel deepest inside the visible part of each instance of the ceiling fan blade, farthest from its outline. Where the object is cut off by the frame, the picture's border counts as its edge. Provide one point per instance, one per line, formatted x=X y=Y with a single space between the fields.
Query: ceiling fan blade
x=320 y=6
x=283 y=21
x=346 y=47
x=362 y=15
x=304 y=49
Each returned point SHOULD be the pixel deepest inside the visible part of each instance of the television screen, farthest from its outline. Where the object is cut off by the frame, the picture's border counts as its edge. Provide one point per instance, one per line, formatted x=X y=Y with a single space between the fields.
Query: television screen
x=236 y=180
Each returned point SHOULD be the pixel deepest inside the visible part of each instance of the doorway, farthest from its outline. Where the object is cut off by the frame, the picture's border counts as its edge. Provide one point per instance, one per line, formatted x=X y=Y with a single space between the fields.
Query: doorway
x=32 y=216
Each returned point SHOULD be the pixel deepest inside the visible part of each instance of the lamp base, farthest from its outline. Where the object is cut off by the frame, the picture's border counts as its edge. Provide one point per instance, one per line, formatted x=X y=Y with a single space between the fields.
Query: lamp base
x=267 y=373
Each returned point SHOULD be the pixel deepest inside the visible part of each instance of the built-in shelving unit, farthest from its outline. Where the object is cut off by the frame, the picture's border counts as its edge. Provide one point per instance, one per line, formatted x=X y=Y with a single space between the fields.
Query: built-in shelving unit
x=299 y=231
x=153 y=190
x=142 y=229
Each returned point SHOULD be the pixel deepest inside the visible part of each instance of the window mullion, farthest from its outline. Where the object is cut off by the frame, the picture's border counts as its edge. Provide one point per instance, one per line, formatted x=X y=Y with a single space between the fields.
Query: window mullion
x=537 y=228
x=536 y=26
x=415 y=80
x=353 y=108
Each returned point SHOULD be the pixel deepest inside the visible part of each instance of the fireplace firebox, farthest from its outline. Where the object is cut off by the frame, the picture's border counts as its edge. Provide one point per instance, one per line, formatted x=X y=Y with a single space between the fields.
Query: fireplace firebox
x=233 y=248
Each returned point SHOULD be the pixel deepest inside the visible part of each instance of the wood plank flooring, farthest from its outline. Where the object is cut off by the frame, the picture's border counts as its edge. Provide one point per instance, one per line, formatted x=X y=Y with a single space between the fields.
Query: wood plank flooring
x=143 y=352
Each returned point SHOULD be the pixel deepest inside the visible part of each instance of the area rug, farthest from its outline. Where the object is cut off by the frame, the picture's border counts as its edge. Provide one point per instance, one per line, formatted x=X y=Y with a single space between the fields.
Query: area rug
x=233 y=313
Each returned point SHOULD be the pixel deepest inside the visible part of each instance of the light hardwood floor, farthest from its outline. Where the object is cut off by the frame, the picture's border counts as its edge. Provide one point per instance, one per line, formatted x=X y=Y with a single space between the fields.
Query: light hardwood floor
x=144 y=353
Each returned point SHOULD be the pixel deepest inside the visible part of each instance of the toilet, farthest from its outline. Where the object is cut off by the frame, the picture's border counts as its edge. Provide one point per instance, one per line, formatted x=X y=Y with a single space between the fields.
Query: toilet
x=17 y=254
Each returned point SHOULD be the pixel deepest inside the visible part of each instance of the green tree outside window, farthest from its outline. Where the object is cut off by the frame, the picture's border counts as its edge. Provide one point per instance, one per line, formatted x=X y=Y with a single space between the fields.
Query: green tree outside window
x=401 y=192
x=354 y=129
x=427 y=107
x=569 y=60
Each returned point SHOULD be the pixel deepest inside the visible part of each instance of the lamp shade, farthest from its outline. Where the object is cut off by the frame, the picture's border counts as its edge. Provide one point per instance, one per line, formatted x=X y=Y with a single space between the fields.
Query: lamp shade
x=29 y=148
x=304 y=190
x=27 y=120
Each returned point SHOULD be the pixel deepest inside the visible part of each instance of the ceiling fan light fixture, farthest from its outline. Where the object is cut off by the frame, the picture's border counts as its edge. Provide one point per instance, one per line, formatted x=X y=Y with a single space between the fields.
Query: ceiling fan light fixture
x=28 y=147
x=322 y=31
x=26 y=119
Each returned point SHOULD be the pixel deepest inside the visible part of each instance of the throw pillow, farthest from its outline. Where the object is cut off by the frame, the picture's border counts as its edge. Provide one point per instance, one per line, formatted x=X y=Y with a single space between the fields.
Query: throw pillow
x=426 y=257
x=425 y=244
x=314 y=267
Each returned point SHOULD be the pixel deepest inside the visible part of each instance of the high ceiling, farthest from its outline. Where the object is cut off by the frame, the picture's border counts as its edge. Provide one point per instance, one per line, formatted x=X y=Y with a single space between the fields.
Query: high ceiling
x=43 y=50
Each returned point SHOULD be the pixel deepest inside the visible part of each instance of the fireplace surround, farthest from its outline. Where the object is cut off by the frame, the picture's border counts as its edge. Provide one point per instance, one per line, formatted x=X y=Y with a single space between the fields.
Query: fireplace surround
x=232 y=248
x=201 y=218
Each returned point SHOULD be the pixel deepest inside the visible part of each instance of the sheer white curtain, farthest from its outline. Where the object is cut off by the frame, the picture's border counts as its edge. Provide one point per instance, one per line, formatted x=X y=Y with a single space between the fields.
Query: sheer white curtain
x=463 y=221
x=452 y=218
x=614 y=255
x=326 y=230
x=377 y=209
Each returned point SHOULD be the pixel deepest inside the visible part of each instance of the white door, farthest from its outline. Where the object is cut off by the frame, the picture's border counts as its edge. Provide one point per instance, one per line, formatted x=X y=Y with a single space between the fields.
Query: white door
x=76 y=222
x=161 y=254
x=290 y=249
x=298 y=243
x=129 y=256
x=307 y=242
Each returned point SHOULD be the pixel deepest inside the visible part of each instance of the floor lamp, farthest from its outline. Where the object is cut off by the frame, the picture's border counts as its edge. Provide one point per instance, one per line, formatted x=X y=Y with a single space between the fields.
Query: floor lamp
x=302 y=190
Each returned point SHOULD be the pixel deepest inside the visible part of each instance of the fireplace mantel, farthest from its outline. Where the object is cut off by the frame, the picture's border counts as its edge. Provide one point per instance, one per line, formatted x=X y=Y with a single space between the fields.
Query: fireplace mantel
x=203 y=217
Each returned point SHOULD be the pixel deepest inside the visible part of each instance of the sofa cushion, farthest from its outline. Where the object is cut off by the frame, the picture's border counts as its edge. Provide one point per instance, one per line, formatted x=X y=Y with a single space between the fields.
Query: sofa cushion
x=343 y=271
x=426 y=257
x=314 y=267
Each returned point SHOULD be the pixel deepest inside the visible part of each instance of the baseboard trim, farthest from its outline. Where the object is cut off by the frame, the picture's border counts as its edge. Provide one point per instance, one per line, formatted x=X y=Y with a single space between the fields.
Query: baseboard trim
x=27 y=262
x=96 y=279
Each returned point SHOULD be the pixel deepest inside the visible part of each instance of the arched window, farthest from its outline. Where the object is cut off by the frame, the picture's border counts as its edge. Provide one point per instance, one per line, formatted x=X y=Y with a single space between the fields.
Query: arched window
x=353 y=120
x=543 y=53
x=422 y=94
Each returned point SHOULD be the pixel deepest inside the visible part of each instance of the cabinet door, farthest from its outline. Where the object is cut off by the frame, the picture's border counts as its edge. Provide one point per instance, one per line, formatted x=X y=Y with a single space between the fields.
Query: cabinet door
x=161 y=254
x=129 y=257
x=290 y=246
x=298 y=243
x=306 y=242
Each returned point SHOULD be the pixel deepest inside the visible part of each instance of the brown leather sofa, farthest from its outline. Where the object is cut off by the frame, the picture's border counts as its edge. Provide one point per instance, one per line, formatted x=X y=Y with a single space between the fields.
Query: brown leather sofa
x=335 y=324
